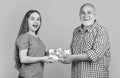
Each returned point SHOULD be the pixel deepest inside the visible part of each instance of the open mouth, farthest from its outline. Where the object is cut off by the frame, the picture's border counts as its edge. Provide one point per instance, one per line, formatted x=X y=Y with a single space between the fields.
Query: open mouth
x=35 y=26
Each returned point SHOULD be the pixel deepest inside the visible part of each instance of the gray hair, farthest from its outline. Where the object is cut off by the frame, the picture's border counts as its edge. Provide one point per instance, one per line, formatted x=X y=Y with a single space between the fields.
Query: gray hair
x=87 y=4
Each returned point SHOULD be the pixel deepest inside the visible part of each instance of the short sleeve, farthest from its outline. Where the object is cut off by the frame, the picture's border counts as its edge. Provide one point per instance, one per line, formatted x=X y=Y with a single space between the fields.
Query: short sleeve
x=22 y=42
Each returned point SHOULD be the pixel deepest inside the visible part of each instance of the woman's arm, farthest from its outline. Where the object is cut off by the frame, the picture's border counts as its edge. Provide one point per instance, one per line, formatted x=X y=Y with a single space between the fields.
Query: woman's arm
x=28 y=59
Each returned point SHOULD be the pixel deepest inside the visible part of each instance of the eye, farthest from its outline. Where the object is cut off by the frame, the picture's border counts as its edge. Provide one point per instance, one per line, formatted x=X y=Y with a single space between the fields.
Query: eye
x=38 y=19
x=89 y=12
x=82 y=12
x=32 y=18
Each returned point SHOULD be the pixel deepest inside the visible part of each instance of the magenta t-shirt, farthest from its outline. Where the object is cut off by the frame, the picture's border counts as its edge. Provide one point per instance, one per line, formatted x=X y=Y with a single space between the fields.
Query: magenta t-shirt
x=36 y=48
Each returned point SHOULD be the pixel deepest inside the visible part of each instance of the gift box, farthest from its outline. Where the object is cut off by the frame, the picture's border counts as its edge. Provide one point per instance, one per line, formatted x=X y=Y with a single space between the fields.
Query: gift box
x=59 y=53
x=53 y=54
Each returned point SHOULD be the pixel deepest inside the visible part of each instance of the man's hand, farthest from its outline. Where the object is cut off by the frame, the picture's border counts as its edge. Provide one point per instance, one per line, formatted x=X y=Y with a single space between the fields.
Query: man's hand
x=68 y=59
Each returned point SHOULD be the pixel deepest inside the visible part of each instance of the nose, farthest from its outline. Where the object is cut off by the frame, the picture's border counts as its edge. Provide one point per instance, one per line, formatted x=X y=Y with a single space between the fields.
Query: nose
x=35 y=22
x=85 y=15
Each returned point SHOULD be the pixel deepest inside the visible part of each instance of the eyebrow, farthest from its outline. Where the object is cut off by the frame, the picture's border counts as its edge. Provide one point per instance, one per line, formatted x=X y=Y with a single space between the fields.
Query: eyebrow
x=33 y=16
x=88 y=11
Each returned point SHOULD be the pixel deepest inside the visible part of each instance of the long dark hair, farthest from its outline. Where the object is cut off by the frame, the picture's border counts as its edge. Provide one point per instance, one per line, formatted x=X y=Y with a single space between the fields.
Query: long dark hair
x=23 y=29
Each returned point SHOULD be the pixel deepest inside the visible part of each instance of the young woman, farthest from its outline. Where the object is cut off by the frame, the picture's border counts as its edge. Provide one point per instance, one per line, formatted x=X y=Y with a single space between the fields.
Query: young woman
x=29 y=49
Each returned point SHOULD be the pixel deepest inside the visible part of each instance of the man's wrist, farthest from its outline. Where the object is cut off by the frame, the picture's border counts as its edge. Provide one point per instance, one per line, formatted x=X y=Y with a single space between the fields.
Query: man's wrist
x=73 y=57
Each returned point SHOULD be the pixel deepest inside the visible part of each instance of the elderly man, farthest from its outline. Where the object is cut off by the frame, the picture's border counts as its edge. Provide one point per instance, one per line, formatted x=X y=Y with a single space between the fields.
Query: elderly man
x=90 y=48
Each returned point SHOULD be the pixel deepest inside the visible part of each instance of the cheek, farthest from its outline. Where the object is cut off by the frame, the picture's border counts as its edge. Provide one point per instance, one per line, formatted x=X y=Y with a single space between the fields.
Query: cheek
x=81 y=17
x=39 y=23
x=93 y=15
x=29 y=22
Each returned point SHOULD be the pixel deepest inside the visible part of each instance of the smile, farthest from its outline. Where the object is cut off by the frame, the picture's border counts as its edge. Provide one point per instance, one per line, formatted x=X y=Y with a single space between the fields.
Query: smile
x=35 y=26
x=86 y=19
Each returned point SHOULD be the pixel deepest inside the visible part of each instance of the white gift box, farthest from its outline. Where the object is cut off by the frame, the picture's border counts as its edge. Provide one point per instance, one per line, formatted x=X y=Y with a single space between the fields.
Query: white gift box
x=53 y=54
x=59 y=53
x=55 y=58
x=67 y=52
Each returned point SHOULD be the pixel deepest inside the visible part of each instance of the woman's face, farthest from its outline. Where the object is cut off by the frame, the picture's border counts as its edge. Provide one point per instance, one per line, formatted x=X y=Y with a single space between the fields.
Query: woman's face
x=34 y=21
x=87 y=15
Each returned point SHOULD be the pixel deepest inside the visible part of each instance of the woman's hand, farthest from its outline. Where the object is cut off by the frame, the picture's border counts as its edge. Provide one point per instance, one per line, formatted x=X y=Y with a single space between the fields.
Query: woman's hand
x=47 y=59
x=61 y=60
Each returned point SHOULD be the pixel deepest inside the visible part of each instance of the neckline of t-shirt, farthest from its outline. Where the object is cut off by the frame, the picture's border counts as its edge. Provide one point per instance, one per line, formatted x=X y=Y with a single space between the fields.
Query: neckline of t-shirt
x=33 y=36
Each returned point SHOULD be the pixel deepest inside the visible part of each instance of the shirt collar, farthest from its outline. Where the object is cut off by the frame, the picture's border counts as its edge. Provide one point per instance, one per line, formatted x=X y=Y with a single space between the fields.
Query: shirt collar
x=90 y=28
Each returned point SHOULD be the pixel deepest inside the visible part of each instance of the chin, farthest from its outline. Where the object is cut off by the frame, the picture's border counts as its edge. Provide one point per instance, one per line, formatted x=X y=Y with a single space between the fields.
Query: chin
x=34 y=30
x=87 y=23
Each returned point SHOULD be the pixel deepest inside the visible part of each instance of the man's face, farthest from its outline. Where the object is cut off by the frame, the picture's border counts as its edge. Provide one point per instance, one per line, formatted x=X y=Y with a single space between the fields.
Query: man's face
x=87 y=15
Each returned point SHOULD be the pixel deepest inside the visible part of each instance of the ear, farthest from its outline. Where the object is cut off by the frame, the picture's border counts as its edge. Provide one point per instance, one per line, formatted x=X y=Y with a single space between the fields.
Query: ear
x=95 y=15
